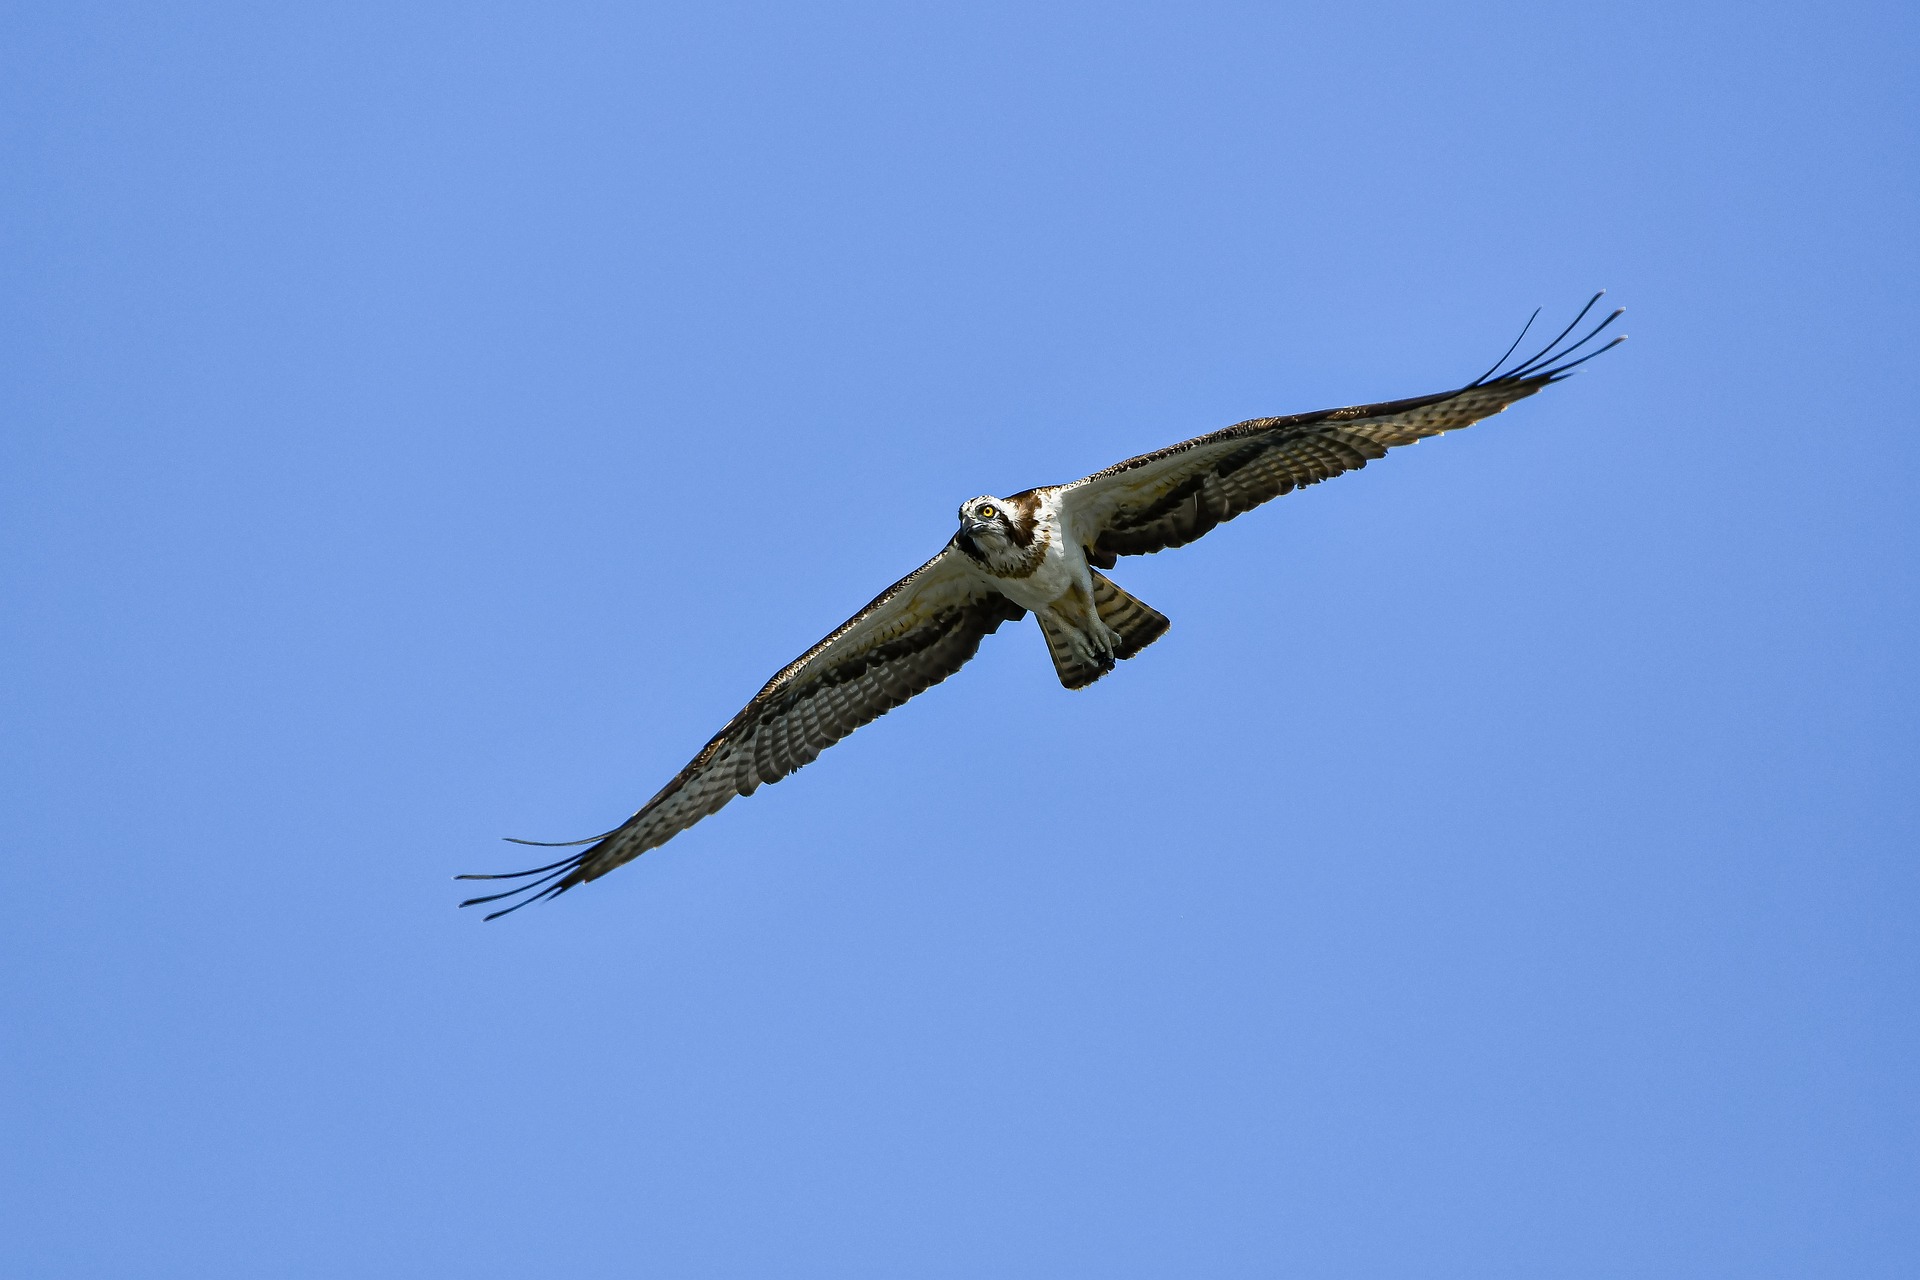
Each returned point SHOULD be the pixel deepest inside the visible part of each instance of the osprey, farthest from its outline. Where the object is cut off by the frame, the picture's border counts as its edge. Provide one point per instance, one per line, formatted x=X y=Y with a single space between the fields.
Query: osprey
x=1042 y=552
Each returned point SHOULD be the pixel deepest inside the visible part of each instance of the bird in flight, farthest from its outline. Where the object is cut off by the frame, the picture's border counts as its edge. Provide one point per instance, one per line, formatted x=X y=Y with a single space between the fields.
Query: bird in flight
x=1042 y=552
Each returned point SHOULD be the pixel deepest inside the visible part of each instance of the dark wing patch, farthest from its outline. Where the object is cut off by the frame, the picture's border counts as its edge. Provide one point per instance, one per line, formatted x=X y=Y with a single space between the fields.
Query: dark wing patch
x=1169 y=498
x=912 y=636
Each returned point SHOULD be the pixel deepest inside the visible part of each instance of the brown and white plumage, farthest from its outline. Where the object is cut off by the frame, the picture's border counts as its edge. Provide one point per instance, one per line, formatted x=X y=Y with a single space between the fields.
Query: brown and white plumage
x=1039 y=551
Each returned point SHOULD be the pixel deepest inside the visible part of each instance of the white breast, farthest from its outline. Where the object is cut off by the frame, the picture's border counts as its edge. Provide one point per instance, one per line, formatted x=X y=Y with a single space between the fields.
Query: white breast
x=1062 y=568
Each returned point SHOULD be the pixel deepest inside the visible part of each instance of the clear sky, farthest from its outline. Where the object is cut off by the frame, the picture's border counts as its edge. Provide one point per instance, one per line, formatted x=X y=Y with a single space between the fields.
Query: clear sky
x=426 y=423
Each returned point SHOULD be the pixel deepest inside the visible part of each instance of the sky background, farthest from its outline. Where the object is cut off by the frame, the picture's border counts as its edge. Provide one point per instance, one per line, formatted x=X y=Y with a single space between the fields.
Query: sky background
x=423 y=424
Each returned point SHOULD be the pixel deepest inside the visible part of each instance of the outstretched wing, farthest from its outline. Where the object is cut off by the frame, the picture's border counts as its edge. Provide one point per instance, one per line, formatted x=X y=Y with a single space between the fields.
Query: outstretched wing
x=915 y=634
x=1169 y=498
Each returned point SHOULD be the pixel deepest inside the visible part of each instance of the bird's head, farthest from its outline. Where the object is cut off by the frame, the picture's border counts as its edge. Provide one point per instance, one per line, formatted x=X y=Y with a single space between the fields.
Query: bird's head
x=997 y=532
x=984 y=514
x=986 y=528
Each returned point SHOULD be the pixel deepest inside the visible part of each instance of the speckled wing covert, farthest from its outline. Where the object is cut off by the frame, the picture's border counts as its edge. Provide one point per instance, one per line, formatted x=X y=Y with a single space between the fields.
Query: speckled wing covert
x=913 y=635
x=1169 y=498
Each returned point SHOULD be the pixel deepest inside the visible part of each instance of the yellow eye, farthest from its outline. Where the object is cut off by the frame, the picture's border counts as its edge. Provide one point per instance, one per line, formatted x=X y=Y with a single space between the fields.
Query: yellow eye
x=986 y=512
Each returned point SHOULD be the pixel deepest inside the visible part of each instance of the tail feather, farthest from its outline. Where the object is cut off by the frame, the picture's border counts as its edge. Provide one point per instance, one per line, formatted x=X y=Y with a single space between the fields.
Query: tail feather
x=1139 y=625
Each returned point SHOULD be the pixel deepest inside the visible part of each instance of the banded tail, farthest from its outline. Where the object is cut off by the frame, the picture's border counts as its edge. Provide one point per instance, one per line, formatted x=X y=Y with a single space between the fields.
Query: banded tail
x=1139 y=625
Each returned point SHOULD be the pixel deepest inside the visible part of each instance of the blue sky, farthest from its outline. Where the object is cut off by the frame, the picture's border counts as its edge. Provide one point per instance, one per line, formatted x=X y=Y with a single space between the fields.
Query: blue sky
x=426 y=424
